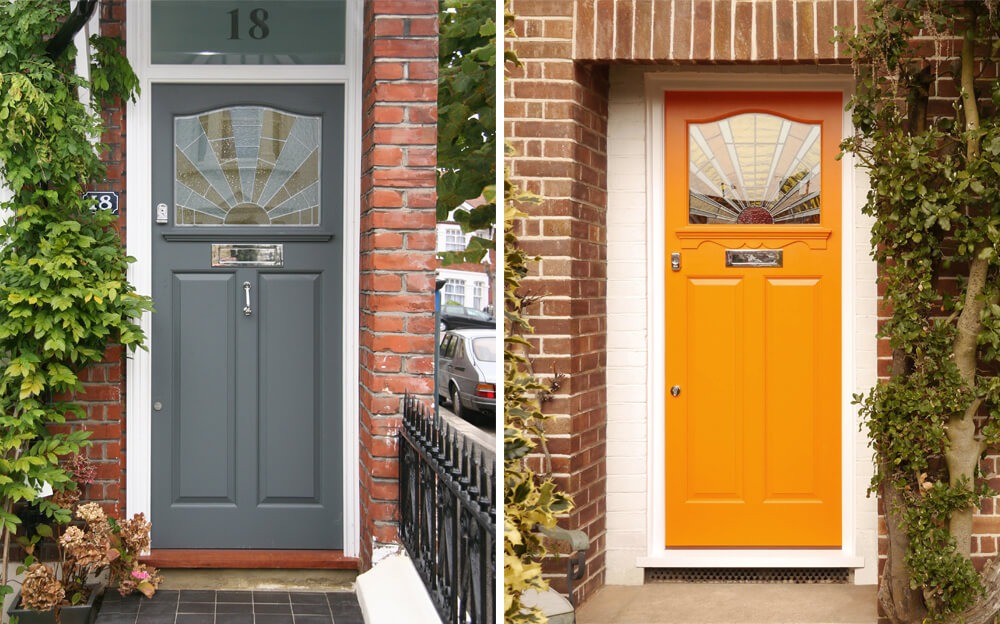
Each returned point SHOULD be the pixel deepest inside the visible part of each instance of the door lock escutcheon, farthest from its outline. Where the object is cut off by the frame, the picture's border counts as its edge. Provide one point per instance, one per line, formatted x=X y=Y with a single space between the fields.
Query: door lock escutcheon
x=675 y=261
x=674 y=391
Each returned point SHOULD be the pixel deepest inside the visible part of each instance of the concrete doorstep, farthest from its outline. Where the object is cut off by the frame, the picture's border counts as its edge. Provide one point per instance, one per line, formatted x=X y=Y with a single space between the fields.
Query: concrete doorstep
x=721 y=603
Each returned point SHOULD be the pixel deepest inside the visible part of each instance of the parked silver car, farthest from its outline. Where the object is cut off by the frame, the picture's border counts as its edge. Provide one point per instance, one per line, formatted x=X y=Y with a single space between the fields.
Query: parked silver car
x=467 y=371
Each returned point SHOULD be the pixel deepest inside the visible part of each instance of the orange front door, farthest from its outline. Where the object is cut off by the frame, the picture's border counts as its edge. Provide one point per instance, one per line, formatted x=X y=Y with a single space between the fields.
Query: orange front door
x=753 y=338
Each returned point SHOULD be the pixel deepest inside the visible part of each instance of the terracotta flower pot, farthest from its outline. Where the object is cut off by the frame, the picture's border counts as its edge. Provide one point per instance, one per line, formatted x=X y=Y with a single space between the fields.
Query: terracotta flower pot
x=71 y=614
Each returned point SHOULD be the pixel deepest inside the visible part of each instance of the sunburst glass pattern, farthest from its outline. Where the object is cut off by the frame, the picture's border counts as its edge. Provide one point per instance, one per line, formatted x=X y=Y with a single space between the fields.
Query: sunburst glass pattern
x=247 y=165
x=754 y=168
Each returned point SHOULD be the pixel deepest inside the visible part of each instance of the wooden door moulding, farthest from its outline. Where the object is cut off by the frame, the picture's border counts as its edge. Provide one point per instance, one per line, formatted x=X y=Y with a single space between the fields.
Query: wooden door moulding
x=251 y=559
x=813 y=236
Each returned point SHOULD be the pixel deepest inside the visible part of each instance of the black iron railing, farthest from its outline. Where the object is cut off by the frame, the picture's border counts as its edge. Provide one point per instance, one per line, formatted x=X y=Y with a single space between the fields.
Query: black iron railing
x=447 y=501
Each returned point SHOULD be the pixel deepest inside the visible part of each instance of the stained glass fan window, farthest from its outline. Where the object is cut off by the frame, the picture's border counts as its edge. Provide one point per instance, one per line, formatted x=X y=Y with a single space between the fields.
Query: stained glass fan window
x=754 y=168
x=247 y=165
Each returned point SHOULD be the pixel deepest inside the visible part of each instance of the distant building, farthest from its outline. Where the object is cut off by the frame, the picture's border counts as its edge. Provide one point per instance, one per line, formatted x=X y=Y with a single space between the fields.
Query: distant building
x=469 y=284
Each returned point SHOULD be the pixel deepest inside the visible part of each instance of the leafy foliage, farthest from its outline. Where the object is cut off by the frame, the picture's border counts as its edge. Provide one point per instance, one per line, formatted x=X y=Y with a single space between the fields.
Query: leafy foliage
x=935 y=197
x=466 y=150
x=528 y=502
x=64 y=294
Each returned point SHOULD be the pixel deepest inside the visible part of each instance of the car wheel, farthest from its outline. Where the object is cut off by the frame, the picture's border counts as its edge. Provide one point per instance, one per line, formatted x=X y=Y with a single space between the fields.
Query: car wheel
x=456 y=403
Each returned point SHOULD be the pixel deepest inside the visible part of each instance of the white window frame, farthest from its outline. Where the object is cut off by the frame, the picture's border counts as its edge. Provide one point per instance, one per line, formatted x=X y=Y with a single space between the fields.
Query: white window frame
x=478 y=294
x=452 y=238
x=467 y=278
x=140 y=229
x=454 y=291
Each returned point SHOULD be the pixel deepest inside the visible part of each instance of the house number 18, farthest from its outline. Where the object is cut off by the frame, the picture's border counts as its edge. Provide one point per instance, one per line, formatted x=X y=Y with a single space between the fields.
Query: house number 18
x=258 y=27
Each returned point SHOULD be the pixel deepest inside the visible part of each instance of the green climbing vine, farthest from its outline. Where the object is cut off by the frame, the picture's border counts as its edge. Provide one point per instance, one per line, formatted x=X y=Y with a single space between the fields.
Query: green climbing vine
x=64 y=294
x=529 y=501
x=934 y=164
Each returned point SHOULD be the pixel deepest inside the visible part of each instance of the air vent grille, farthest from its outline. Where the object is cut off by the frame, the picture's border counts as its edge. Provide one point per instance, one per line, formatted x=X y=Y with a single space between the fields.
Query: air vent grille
x=748 y=575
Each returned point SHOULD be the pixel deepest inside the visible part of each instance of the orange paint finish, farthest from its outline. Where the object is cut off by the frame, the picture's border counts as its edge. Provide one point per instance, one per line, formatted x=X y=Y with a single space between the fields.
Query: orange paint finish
x=753 y=439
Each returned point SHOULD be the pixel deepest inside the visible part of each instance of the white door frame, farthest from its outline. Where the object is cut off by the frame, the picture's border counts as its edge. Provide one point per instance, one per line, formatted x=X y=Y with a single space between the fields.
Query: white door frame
x=853 y=347
x=139 y=236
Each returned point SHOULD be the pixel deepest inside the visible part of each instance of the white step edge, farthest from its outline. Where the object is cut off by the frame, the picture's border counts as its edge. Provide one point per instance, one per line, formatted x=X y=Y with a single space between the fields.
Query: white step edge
x=392 y=593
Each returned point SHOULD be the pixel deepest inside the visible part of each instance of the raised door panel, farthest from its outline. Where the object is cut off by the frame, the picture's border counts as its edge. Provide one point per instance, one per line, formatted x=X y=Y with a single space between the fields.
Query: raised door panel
x=204 y=343
x=290 y=373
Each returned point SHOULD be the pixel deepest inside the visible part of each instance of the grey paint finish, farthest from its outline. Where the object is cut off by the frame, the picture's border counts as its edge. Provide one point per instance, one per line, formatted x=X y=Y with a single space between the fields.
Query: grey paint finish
x=289 y=361
x=247 y=448
x=204 y=422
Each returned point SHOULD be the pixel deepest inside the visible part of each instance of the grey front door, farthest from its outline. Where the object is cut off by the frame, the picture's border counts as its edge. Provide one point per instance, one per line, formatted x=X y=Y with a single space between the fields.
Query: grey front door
x=246 y=342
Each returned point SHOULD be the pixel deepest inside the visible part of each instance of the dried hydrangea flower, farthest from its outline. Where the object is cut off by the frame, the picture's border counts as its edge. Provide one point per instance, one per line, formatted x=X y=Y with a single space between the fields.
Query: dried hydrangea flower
x=91 y=513
x=72 y=535
x=41 y=590
x=84 y=471
x=135 y=534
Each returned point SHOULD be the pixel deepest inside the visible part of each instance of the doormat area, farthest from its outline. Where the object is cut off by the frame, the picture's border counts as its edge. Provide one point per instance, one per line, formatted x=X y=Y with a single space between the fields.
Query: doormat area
x=749 y=575
x=231 y=607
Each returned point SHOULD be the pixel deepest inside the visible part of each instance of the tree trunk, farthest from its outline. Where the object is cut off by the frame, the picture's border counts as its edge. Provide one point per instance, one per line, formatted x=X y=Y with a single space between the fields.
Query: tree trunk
x=5 y=559
x=900 y=603
x=964 y=447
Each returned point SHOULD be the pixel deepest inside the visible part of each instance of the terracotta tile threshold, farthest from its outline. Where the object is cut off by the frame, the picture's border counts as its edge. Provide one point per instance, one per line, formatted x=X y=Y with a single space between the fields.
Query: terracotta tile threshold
x=251 y=559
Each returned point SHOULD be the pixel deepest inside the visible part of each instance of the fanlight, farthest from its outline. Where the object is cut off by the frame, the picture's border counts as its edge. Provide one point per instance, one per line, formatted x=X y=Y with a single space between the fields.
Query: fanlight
x=754 y=168
x=247 y=165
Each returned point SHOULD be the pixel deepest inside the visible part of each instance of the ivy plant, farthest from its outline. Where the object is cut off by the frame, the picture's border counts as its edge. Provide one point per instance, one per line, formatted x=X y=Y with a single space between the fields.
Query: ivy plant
x=529 y=501
x=64 y=292
x=934 y=165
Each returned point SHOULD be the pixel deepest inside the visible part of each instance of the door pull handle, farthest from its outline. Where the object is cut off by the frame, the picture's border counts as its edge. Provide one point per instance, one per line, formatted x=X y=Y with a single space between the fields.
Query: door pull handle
x=247 y=310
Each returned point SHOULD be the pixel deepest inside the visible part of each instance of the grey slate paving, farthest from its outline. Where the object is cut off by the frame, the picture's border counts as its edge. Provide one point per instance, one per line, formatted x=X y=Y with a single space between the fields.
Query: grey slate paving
x=231 y=607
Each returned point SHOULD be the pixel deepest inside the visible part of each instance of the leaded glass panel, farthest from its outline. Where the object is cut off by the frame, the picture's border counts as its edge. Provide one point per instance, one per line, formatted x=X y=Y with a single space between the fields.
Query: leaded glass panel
x=247 y=165
x=754 y=168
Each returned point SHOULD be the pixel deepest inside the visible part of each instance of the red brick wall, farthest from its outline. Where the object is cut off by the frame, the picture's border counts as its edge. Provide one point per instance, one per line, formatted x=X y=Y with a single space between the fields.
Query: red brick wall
x=103 y=393
x=720 y=31
x=556 y=120
x=398 y=220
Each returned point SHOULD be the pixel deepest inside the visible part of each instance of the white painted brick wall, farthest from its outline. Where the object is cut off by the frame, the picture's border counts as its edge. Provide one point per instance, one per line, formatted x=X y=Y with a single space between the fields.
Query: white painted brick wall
x=628 y=498
x=628 y=338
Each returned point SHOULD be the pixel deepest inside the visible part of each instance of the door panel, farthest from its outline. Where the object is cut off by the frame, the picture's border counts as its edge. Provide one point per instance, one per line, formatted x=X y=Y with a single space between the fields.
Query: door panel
x=246 y=347
x=790 y=384
x=205 y=425
x=290 y=469
x=753 y=320
x=714 y=360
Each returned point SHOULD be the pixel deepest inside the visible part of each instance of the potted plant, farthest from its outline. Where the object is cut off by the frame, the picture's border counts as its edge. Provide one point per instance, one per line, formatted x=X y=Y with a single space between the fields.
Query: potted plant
x=65 y=590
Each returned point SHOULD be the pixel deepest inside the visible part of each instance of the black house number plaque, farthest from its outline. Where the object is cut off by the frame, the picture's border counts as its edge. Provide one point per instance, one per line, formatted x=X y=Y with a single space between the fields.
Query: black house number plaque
x=106 y=200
